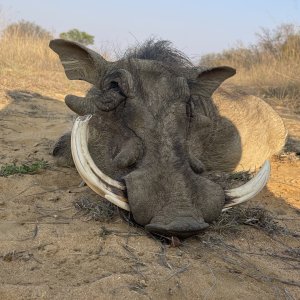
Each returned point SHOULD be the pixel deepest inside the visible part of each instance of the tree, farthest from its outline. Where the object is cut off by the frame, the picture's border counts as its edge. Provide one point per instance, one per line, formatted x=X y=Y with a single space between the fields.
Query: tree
x=78 y=36
x=26 y=29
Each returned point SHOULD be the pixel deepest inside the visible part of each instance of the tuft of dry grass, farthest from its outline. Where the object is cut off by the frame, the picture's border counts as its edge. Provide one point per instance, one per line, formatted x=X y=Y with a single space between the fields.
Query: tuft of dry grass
x=229 y=180
x=287 y=157
x=257 y=217
x=94 y=208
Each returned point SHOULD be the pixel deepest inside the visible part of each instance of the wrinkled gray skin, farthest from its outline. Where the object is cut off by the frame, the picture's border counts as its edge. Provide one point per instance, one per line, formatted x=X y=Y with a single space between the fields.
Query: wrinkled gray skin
x=154 y=126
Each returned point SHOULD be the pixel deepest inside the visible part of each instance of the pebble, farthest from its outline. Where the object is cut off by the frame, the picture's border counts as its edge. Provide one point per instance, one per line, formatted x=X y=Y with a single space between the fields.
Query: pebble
x=54 y=199
x=143 y=283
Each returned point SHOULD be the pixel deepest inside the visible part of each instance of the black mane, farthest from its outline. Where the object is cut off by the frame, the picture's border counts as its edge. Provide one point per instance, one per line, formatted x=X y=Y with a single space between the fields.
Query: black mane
x=160 y=50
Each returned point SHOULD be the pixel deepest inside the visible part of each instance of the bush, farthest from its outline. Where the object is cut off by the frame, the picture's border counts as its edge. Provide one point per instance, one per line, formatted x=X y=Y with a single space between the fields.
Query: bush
x=26 y=29
x=78 y=36
x=24 y=46
x=279 y=42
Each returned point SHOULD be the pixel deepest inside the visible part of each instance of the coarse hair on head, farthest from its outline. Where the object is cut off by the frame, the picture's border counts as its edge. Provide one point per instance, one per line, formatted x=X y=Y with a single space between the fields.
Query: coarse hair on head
x=159 y=50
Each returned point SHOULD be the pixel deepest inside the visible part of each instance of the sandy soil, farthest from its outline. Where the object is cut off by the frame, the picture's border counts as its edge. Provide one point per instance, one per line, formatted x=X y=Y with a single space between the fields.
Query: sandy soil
x=50 y=251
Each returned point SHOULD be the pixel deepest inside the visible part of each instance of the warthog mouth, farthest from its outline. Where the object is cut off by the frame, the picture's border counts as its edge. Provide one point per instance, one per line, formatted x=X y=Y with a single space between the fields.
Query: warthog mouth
x=115 y=191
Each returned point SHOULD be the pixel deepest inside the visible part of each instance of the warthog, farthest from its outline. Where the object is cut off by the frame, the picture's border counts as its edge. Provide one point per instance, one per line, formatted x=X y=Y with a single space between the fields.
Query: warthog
x=150 y=129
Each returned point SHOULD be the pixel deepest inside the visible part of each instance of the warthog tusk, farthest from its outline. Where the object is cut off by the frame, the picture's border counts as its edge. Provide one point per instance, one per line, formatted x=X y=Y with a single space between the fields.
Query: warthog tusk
x=100 y=183
x=114 y=191
x=248 y=190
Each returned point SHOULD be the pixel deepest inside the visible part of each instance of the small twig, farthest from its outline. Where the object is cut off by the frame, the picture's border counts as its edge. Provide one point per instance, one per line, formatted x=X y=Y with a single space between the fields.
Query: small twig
x=19 y=255
x=273 y=255
x=6 y=127
x=54 y=210
x=45 y=192
x=49 y=213
x=178 y=271
x=82 y=184
x=40 y=193
x=163 y=258
x=26 y=189
x=246 y=264
x=272 y=237
x=98 y=278
x=37 y=260
x=234 y=249
x=282 y=218
x=138 y=271
x=126 y=233
x=213 y=286
x=35 y=231
x=136 y=288
x=288 y=282
x=120 y=233
x=32 y=222
x=289 y=296
x=132 y=254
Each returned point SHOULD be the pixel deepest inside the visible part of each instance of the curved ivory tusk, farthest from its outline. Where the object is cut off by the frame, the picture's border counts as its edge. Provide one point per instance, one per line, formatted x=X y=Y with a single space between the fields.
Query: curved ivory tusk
x=106 y=186
x=250 y=189
x=94 y=178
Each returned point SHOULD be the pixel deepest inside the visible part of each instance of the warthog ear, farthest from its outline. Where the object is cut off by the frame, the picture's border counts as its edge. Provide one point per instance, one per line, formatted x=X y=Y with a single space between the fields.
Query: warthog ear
x=79 y=62
x=206 y=82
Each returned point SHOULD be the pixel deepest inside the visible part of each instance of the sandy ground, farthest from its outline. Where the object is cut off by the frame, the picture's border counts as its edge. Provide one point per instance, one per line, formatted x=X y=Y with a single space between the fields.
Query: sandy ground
x=50 y=251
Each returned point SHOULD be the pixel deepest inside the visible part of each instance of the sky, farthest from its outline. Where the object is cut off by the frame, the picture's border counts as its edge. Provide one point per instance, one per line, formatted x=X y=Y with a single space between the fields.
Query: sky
x=195 y=27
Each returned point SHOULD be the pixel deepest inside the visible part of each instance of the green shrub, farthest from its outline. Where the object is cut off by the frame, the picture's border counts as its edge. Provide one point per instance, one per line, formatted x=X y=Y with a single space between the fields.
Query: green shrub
x=78 y=36
x=23 y=169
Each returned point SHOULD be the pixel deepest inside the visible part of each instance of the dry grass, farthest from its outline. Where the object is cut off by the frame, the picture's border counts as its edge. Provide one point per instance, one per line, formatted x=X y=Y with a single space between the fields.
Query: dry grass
x=27 y=52
x=257 y=217
x=269 y=69
x=229 y=180
x=94 y=208
x=28 y=63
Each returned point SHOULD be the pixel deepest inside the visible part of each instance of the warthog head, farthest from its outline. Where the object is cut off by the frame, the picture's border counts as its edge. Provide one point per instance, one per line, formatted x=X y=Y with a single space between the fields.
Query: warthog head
x=146 y=122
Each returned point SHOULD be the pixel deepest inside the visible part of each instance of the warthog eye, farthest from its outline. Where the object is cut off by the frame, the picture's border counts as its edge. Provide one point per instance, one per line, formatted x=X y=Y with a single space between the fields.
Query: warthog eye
x=119 y=81
x=114 y=85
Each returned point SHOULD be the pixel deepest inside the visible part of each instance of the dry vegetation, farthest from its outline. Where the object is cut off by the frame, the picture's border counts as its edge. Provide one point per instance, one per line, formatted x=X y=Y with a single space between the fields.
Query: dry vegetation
x=270 y=68
x=27 y=63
